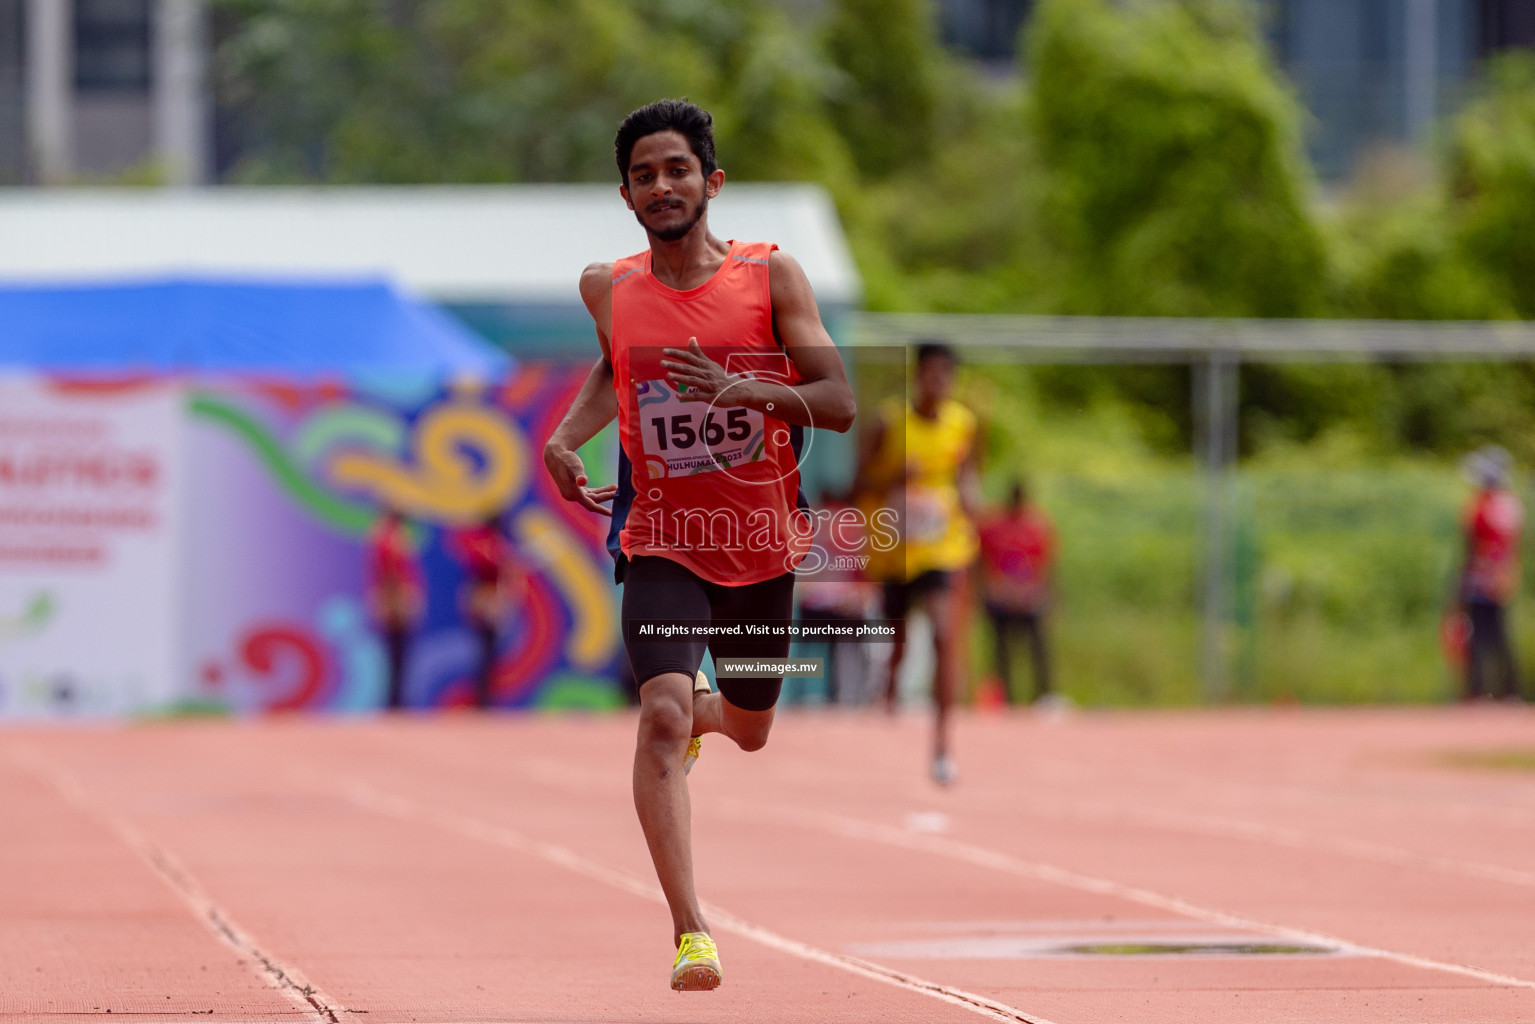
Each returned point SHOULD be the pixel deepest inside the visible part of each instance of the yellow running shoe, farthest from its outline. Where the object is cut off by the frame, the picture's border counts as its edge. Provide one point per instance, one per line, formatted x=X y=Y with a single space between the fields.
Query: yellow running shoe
x=697 y=967
x=700 y=687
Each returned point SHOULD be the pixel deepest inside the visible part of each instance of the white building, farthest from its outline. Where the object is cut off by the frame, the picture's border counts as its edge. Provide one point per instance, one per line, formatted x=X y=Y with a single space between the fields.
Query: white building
x=99 y=89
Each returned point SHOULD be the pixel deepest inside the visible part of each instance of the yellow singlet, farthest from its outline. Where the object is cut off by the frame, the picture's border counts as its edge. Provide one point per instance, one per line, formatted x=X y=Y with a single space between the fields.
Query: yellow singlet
x=935 y=533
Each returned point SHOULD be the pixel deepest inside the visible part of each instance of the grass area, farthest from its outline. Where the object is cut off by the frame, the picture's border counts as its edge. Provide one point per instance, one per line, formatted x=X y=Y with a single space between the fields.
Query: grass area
x=1518 y=759
x=1343 y=560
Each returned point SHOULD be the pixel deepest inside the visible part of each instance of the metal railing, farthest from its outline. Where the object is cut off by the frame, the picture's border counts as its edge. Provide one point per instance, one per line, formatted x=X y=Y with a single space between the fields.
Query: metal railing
x=1215 y=350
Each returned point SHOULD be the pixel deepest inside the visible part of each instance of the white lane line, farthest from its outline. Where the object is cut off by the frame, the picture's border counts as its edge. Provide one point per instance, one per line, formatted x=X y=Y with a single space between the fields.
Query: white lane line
x=280 y=976
x=1222 y=826
x=852 y=828
x=368 y=798
x=1219 y=826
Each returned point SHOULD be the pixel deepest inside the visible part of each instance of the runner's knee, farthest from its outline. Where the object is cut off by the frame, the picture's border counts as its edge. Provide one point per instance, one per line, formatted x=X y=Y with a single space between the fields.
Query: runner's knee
x=666 y=720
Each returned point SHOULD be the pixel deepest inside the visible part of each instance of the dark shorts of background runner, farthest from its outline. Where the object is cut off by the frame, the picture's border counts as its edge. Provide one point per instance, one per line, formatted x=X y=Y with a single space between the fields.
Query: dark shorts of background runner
x=660 y=591
x=899 y=596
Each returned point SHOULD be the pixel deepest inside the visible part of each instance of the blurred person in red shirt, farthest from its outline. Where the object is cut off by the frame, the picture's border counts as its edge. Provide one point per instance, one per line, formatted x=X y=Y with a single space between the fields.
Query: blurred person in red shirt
x=1489 y=577
x=493 y=580
x=1017 y=553
x=394 y=595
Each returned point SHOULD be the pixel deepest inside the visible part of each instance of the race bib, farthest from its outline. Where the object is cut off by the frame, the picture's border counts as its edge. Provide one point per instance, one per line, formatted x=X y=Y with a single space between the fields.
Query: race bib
x=684 y=438
x=927 y=517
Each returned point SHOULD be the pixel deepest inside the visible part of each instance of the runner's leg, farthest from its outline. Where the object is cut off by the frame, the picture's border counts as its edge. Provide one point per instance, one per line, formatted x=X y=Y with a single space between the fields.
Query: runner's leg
x=485 y=675
x=713 y=713
x=658 y=591
x=1001 y=627
x=661 y=793
x=1479 y=648
x=897 y=601
x=395 y=640
x=1506 y=671
x=1040 y=653
x=939 y=603
x=743 y=707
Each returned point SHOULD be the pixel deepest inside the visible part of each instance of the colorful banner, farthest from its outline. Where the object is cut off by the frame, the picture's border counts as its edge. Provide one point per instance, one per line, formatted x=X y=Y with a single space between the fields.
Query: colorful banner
x=90 y=521
x=286 y=482
x=173 y=546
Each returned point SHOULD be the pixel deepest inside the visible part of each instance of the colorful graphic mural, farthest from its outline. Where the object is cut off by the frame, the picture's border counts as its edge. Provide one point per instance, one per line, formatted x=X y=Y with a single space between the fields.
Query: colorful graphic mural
x=287 y=479
x=91 y=506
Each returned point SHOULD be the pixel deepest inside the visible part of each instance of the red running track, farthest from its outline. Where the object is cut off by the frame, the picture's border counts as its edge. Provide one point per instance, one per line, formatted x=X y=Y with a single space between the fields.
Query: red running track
x=1321 y=865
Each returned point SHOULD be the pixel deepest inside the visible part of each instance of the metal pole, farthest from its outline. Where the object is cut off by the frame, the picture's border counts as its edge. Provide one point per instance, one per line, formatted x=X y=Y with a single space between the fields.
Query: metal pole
x=1420 y=73
x=1215 y=397
x=181 y=114
x=50 y=90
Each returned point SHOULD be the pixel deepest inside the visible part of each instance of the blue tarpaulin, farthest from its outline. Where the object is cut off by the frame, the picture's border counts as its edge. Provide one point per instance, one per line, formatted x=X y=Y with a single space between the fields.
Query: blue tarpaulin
x=224 y=326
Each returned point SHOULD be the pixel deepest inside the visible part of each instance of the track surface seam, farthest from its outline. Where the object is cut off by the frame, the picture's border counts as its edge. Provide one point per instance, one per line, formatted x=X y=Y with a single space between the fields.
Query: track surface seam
x=369 y=798
x=274 y=972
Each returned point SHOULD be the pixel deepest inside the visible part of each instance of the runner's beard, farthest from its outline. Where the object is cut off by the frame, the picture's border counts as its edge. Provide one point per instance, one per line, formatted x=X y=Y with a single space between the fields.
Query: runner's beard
x=677 y=231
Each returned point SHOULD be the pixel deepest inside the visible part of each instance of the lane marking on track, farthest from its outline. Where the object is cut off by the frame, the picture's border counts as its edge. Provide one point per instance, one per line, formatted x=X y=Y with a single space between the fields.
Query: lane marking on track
x=1219 y=826
x=280 y=976
x=370 y=799
x=547 y=774
x=853 y=828
x=1222 y=826
x=1446 y=806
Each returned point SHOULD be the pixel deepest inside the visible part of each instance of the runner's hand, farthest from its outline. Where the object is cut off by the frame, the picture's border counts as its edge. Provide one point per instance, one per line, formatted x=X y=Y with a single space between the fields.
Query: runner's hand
x=704 y=377
x=569 y=476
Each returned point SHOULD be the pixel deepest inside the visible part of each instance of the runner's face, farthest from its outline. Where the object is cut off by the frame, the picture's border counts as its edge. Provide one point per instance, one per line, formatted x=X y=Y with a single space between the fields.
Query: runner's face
x=934 y=380
x=667 y=189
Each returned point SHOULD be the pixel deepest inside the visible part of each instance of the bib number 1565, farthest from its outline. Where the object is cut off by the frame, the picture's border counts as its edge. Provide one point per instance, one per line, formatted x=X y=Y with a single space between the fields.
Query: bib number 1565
x=683 y=431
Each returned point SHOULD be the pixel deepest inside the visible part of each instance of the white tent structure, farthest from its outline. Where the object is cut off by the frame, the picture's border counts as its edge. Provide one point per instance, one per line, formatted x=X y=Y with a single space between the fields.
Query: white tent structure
x=505 y=258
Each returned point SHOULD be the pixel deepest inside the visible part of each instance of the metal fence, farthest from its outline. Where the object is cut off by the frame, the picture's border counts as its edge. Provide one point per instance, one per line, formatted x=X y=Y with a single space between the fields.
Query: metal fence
x=1215 y=350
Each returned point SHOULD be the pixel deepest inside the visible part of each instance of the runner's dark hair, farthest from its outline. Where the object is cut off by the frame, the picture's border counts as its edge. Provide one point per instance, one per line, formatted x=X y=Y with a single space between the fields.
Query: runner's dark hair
x=688 y=119
x=935 y=350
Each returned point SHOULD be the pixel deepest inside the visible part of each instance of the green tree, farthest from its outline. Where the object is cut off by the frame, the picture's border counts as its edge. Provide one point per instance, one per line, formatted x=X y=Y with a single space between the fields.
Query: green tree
x=958 y=232
x=483 y=90
x=1491 y=179
x=1402 y=261
x=1175 y=183
x=889 y=54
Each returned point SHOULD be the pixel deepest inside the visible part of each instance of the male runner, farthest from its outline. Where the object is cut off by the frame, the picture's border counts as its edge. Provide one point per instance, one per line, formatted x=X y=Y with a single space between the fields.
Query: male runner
x=921 y=459
x=706 y=509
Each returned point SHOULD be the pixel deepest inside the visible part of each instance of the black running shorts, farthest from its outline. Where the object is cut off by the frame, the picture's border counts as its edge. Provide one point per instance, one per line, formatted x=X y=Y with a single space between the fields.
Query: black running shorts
x=658 y=591
x=899 y=596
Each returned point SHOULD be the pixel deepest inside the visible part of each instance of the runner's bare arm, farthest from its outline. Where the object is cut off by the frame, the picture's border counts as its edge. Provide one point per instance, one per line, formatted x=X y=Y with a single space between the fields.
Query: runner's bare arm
x=823 y=398
x=594 y=406
x=969 y=484
x=869 y=445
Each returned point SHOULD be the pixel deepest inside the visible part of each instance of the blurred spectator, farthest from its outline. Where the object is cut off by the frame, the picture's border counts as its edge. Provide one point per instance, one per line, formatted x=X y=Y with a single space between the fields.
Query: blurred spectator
x=394 y=595
x=838 y=595
x=493 y=581
x=1017 y=553
x=1489 y=578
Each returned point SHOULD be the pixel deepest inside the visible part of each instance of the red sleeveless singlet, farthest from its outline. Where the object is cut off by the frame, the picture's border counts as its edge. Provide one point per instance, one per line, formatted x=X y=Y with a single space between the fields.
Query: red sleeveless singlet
x=714 y=485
